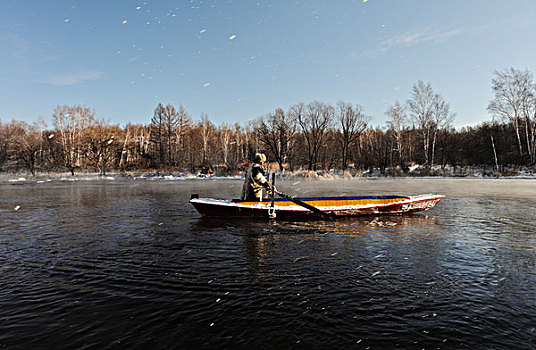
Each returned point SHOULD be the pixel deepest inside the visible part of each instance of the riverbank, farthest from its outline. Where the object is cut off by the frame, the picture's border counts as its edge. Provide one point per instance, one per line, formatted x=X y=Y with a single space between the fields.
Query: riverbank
x=470 y=173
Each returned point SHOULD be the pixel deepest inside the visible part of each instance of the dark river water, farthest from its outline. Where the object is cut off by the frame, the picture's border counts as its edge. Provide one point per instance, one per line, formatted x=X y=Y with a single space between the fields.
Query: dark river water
x=130 y=264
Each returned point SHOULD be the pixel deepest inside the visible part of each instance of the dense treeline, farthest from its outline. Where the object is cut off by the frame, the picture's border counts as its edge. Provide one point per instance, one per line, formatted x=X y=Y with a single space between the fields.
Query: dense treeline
x=313 y=136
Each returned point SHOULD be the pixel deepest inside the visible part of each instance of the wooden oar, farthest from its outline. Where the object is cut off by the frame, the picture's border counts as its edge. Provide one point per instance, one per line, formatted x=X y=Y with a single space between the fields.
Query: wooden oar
x=305 y=205
x=271 y=211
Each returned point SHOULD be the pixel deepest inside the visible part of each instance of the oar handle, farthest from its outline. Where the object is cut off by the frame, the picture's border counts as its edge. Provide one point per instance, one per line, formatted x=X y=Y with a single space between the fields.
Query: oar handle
x=281 y=194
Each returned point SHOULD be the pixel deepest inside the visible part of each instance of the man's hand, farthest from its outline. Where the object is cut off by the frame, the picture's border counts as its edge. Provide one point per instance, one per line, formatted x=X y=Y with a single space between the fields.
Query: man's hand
x=269 y=190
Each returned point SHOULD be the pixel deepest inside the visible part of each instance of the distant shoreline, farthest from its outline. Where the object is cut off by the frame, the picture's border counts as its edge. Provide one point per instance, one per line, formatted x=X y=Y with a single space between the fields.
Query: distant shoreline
x=21 y=178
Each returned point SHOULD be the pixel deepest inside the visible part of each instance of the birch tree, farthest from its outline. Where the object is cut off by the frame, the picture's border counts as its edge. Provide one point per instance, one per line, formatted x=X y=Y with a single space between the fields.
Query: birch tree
x=529 y=115
x=513 y=101
x=225 y=136
x=397 y=123
x=207 y=131
x=429 y=113
x=442 y=118
x=70 y=123
x=420 y=106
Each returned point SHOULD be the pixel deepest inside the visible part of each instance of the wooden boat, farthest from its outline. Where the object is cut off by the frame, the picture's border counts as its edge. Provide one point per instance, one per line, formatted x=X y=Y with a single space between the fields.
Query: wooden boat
x=326 y=207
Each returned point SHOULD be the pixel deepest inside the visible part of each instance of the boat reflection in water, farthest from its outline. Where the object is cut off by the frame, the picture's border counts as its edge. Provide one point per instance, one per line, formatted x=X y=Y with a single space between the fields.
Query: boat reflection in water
x=281 y=242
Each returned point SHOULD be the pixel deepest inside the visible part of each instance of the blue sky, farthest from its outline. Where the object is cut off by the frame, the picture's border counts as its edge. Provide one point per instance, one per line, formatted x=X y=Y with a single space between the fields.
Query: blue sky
x=237 y=60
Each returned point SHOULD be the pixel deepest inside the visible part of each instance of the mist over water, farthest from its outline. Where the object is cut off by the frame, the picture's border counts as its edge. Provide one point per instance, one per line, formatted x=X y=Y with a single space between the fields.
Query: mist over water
x=130 y=264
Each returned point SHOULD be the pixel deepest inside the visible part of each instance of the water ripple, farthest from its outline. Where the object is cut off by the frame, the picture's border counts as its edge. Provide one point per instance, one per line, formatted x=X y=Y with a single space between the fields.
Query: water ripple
x=133 y=266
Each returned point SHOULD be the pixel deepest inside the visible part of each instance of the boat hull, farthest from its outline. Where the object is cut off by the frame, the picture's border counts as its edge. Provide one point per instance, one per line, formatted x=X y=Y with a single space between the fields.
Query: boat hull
x=332 y=206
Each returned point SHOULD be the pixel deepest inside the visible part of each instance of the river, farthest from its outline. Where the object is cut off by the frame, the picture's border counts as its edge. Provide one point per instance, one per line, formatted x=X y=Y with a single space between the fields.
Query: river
x=130 y=264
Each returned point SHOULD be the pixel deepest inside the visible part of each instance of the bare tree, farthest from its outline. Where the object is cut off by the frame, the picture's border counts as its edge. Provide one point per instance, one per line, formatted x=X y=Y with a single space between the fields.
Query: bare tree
x=376 y=149
x=442 y=118
x=514 y=101
x=314 y=119
x=184 y=123
x=194 y=154
x=225 y=135
x=157 y=132
x=70 y=123
x=25 y=144
x=529 y=116
x=42 y=126
x=527 y=92
x=240 y=139
x=163 y=126
x=207 y=130
x=170 y=121
x=137 y=147
x=352 y=122
x=276 y=130
x=4 y=142
x=125 y=154
x=397 y=123
x=429 y=113
x=100 y=139
x=420 y=105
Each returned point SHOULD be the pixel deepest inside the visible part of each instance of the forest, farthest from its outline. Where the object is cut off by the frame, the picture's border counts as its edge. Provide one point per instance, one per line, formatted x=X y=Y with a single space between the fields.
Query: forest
x=315 y=137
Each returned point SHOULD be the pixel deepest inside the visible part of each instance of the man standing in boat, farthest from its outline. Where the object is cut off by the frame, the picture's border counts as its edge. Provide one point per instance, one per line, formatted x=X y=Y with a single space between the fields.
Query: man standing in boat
x=255 y=180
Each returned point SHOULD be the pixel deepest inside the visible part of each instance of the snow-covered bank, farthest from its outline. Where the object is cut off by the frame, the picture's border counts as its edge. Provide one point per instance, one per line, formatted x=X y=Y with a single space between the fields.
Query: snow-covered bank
x=22 y=178
x=417 y=172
